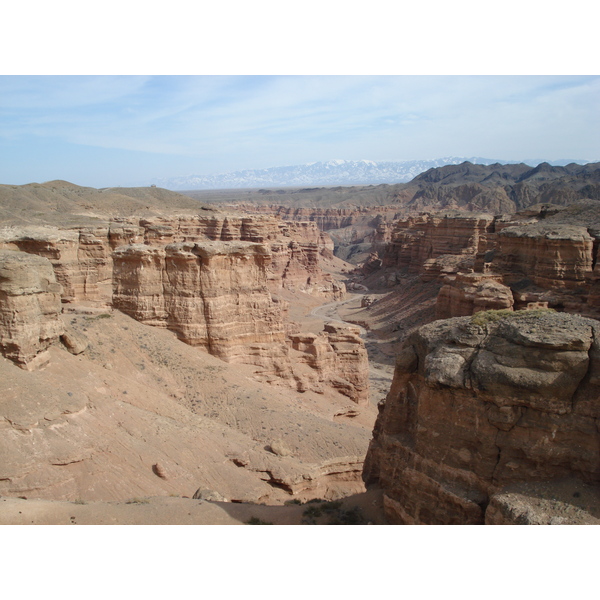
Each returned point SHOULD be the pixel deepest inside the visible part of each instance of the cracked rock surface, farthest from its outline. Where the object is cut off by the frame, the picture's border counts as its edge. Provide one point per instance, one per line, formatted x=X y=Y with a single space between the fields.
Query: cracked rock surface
x=486 y=403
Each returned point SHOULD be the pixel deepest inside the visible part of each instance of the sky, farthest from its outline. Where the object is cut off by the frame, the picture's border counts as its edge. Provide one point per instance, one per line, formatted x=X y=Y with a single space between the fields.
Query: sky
x=126 y=130
x=128 y=94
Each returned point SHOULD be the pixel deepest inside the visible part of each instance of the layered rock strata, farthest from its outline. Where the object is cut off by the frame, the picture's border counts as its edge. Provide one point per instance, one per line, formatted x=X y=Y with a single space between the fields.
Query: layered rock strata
x=213 y=295
x=216 y=295
x=338 y=357
x=544 y=262
x=477 y=404
x=417 y=240
x=29 y=308
x=82 y=257
x=555 y=257
x=468 y=293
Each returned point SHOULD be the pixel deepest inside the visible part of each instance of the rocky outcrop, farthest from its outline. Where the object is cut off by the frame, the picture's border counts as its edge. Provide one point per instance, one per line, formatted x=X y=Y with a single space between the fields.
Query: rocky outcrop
x=479 y=403
x=467 y=293
x=216 y=295
x=561 y=502
x=543 y=262
x=417 y=240
x=338 y=358
x=80 y=258
x=326 y=219
x=553 y=257
x=212 y=294
x=29 y=308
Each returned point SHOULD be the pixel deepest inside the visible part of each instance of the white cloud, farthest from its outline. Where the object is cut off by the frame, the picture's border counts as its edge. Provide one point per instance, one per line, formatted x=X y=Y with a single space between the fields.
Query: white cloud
x=230 y=123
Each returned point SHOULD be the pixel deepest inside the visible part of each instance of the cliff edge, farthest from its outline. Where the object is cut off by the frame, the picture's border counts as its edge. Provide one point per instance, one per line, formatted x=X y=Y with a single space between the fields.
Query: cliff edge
x=480 y=403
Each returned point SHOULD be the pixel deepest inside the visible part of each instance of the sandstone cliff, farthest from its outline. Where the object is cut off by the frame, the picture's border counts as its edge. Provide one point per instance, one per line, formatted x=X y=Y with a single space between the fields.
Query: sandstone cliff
x=82 y=257
x=213 y=295
x=338 y=358
x=216 y=295
x=467 y=293
x=29 y=308
x=421 y=244
x=551 y=256
x=478 y=403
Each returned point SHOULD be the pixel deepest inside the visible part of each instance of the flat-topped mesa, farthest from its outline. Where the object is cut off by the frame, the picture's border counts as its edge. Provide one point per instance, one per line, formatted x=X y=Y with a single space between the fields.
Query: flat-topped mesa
x=480 y=403
x=295 y=247
x=338 y=357
x=215 y=227
x=82 y=259
x=324 y=218
x=29 y=308
x=418 y=242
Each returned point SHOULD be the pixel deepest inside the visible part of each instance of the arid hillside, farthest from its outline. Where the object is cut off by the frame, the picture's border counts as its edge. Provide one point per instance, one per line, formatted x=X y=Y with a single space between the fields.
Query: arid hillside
x=63 y=204
x=496 y=188
x=156 y=353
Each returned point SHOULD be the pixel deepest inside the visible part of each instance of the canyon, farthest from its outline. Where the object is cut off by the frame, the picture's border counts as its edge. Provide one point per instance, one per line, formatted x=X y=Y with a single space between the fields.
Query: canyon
x=442 y=362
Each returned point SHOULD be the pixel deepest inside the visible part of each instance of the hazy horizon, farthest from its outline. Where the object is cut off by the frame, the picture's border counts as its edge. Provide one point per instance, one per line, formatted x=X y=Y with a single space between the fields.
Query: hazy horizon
x=105 y=131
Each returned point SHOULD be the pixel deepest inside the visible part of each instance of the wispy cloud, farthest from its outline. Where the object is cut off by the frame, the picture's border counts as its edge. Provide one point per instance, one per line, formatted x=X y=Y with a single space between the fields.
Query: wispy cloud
x=226 y=122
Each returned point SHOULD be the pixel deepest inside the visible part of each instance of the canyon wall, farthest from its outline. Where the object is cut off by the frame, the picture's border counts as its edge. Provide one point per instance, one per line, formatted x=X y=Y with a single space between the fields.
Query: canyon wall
x=480 y=403
x=421 y=244
x=216 y=295
x=213 y=279
x=29 y=308
x=465 y=294
x=526 y=260
x=338 y=358
x=326 y=219
x=552 y=256
x=82 y=257
x=212 y=294
x=551 y=264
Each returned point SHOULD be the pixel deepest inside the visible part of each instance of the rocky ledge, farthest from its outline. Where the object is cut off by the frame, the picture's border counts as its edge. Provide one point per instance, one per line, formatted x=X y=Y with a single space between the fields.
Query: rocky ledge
x=479 y=403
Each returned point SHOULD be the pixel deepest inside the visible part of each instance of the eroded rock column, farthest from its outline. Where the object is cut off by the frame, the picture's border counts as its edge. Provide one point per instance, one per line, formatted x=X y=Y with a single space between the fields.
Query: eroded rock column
x=29 y=308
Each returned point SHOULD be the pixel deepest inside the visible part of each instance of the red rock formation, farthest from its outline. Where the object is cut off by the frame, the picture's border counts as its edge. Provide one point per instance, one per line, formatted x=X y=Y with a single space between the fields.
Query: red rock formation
x=216 y=295
x=339 y=359
x=29 y=308
x=295 y=247
x=416 y=240
x=475 y=407
x=80 y=258
x=213 y=294
x=553 y=257
x=467 y=293
x=83 y=264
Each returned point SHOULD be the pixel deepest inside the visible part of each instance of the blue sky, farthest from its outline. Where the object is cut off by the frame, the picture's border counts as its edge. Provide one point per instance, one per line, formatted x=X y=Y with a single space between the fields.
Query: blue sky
x=120 y=130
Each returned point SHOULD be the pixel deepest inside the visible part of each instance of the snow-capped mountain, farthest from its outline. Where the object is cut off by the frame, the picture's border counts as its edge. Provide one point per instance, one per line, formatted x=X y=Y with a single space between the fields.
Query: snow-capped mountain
x=333 y=172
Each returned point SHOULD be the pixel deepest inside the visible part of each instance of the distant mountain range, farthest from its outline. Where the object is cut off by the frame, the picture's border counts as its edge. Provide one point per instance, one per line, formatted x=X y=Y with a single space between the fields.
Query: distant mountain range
x=333 y=172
